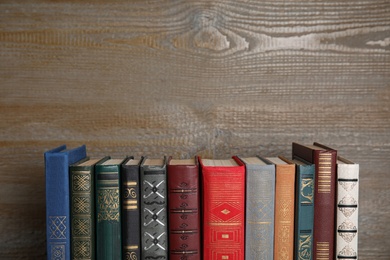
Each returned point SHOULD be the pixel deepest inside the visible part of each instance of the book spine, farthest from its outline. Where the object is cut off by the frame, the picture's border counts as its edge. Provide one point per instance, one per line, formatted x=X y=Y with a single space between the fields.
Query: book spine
x=347 y=211
x=184 y=214
x=304 y=208
x=82 y=212
x=325 y=204
x=108 y=219
x=154 y=219
x=224 y=210
x=130 y=212
x=260 y=199
x=57 y=163
x=284 y=211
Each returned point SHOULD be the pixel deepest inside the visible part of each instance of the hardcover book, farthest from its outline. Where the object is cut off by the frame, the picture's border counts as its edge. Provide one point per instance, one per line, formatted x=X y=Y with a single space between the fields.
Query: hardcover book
x=304 y=209
x=347 y=208
x=260 y=200
x=184 y=209
x=284 y=208
x=130 y=199
x=82 y=188
x=57 y=163
x=154 y=219
x=223 y=208
x=108 y=210
x=325 y=197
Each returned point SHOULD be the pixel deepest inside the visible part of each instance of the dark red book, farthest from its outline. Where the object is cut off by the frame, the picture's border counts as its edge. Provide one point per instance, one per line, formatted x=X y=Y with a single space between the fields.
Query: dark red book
x=324 y=197
x=184 y=209
x=223 y=185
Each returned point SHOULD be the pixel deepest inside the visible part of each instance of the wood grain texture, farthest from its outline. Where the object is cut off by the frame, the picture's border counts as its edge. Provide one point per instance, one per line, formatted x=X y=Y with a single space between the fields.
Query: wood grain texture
x=213 y=78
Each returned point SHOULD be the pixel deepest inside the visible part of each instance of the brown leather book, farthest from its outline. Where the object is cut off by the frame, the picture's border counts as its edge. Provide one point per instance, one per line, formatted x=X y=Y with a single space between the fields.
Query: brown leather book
x=184 y=209
x=284 y=208
x=324 y=194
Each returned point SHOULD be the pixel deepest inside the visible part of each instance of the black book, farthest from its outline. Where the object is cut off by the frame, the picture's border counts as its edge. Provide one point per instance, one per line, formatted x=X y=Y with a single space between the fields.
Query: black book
x=130 y=193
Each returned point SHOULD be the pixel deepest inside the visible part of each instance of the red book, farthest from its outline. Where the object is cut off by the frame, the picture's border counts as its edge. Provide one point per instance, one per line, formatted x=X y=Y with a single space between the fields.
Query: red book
x=223 y=209
x=184 y=209
x=324 y=197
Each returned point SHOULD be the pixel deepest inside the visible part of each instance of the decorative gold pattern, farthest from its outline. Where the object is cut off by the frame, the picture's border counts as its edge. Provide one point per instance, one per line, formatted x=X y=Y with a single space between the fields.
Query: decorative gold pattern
x=81 y=205
x=304 y=247
x=81 y=182
x=324 y=173
x=108 y=203
x=225 y=211
x=57 y=226
x=130 y=193
x=131 y=256
x=323 y=251
x=81 y=227
x=307 y=189
x=82 y=249
x=57 y=252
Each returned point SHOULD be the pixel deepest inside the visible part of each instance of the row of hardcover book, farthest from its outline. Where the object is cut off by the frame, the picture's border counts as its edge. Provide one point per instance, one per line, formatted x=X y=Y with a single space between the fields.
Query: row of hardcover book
x=230 y=209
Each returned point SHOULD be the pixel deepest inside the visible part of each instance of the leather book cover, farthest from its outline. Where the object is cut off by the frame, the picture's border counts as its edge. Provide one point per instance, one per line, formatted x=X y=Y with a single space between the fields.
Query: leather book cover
x=184 y=209
x=82 y=212
x=154 y=217
x=284 y=208
x=130 y=199
x=57 y=163
x=223 y=196
x=325 y=197
x=304 y=210
x=259 y=213
x=347 y=208
x=108 y=210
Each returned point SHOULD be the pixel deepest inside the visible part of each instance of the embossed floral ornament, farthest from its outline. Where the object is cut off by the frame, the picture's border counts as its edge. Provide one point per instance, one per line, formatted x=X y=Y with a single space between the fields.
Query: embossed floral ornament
x=108 y=201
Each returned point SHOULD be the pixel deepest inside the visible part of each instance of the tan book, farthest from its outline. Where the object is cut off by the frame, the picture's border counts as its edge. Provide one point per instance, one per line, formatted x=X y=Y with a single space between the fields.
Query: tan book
x=284 y=208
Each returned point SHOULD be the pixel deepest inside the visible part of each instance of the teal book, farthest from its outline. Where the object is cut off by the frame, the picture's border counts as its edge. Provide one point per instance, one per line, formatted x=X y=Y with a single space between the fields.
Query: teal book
x=108 y=210
x=260 y=208
x=82 y=211
x=304 y=210
x=58 y=229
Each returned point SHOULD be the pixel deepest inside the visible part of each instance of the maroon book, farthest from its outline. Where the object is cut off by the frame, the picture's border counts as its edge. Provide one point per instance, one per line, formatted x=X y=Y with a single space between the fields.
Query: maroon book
x=184 y=209
x=324 y=197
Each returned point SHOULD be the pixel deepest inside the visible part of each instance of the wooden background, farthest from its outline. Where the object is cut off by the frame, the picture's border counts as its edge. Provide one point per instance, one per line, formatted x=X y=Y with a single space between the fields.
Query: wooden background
x=213 y=78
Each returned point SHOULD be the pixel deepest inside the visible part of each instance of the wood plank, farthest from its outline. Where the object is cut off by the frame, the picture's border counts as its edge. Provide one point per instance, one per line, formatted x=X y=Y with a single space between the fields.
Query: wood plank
x=213 y=78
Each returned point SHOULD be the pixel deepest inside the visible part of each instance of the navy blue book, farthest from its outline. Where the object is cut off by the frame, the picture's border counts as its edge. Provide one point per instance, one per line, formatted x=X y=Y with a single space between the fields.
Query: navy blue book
x=57 y=163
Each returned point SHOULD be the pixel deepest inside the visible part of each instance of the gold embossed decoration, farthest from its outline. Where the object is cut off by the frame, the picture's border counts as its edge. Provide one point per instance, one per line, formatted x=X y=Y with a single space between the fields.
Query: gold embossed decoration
x=108 y=203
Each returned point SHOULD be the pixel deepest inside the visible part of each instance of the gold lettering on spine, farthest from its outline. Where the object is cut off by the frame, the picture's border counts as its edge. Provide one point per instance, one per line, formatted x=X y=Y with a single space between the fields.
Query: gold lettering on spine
x=324 y=173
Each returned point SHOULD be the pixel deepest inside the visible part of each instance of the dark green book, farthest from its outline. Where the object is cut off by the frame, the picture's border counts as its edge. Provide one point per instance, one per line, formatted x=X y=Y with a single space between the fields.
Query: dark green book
x=82 y=212
x=108 y=210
